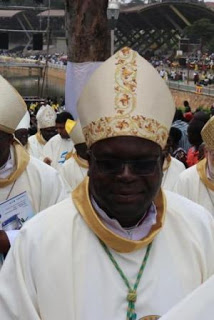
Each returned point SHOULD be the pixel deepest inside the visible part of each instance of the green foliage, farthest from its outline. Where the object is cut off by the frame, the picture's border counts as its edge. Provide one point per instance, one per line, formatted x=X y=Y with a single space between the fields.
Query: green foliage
x=200 y=108
x=202 y=29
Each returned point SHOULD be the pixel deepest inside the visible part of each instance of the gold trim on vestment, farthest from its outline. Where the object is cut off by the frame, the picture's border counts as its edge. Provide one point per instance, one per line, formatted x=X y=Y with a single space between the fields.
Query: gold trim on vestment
x=82 y=202
x=40 y=138
x=6 y=129
x=201 y=167
x=81 y=162
x=69 y=155
x=21 y=160
x=167 y=162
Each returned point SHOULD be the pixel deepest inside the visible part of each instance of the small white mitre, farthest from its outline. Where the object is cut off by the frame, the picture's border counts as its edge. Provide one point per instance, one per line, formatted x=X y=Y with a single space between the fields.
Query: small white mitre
x=12 y=107
x=207 y=133
x=25 y=122
x=126 y=96
x=46 y=117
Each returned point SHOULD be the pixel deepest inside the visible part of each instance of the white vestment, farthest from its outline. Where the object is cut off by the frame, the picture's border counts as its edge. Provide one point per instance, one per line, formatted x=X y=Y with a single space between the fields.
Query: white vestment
x=36 y=146
x=196 y=306
x=170 y=175
x=190 y=186
x=73 y=173
x=56 y=149
x=43 y=185
x=57 y=268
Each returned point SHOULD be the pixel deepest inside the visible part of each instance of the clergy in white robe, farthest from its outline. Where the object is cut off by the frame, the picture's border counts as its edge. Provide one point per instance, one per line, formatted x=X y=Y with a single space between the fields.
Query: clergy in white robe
x=60 y=145
x=171 y=170
x=197 y=182
x=19 y=172
x=59 y=270
x=46 y=122
x=75 y=169
x=120 y=248
x=42 y=183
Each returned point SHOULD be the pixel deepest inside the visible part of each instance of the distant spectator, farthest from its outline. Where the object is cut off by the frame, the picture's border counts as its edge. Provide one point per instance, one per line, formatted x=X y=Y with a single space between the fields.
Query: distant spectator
x=177 y=152
x=182 y=125
x=187 y=106
x=195 y=78
x=194 y=136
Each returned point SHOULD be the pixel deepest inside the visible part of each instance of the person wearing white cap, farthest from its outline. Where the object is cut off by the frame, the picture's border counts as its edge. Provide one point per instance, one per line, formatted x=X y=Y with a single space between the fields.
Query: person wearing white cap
x=120 y=247
x=197 y=182
x=19 y=172
x=46 y=129
x=57 y=148
x=21 y=133
x=75 y=169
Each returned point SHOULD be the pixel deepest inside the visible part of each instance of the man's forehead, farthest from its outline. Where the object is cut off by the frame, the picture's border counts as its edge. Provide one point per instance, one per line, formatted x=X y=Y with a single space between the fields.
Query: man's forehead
x=49 y=129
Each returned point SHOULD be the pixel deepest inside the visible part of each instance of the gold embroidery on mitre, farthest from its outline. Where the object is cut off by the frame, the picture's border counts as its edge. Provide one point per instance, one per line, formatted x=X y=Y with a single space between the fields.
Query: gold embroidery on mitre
x=150 y=318
x=125 y=102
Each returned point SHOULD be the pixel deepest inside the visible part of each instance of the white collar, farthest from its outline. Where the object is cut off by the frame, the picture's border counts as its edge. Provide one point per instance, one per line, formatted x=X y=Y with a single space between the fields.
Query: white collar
x=137 y=232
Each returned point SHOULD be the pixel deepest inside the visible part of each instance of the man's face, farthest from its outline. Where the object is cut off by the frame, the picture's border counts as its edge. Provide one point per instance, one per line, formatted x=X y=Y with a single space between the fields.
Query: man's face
x=60 y=127
x=125 y=176
x=5 y=141
x=48 y=133
x=194 y=135
x=209 y=154
x=22 y=136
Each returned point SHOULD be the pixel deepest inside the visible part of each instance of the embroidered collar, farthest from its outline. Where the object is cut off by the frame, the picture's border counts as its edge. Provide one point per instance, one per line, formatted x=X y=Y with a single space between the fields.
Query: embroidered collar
x=83 y=204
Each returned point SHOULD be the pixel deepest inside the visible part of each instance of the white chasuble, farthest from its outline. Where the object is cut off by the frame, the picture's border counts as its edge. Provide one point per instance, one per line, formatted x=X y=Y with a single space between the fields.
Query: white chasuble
x=73 y=173
x=196 y=306
x=58 y=269
x=191 y=186
x=56 y=149
x=43 y=185
x=36 y=147
x=171 y=173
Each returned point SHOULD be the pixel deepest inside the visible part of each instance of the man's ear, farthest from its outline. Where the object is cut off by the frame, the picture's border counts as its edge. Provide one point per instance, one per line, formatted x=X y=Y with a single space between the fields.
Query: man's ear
x=88 y=154
x=163 y=156
x=11 y=138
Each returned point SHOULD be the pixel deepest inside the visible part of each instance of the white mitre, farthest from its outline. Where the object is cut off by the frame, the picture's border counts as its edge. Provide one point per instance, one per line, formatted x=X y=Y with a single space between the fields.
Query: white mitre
x=25 y=122
x=207 y=133
x=126 y=96
x=46 y=117
x=74 y=130
x=12 y=107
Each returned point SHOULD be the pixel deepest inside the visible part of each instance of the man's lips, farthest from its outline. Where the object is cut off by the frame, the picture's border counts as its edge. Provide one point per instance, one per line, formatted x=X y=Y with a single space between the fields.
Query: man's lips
x=127 y=192
x=127 y=196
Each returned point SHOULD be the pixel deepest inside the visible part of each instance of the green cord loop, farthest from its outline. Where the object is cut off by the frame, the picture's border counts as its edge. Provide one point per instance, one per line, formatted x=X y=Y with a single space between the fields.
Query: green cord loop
x=132 y=293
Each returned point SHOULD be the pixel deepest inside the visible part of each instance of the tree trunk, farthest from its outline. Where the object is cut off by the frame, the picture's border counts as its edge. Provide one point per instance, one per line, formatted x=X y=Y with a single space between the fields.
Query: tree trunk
x=87 y=30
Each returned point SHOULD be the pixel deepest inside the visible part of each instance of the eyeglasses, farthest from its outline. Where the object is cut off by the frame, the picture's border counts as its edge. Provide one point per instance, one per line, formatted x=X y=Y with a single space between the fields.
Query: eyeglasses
x=141 y=167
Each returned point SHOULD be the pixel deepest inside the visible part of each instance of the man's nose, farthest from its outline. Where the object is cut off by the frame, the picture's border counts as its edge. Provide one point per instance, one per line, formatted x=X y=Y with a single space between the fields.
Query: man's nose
x=126 y=172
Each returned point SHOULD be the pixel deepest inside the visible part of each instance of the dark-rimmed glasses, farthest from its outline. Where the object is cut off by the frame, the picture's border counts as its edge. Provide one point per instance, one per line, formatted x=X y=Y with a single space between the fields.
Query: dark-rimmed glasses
x=141 y=167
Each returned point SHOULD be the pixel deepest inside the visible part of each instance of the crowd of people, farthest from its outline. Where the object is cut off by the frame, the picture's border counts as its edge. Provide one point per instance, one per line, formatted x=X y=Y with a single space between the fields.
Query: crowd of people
x=120 y=201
